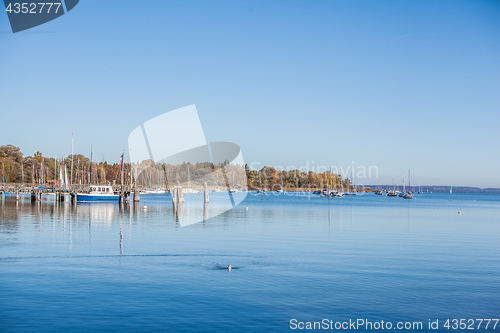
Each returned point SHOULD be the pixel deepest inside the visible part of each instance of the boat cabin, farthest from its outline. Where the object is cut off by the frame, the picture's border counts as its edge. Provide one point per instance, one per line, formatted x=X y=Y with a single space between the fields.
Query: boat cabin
x=95 y=189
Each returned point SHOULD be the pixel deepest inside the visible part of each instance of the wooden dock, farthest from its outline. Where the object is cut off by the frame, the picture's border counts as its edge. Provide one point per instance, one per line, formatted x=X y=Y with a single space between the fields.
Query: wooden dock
x=61 y=194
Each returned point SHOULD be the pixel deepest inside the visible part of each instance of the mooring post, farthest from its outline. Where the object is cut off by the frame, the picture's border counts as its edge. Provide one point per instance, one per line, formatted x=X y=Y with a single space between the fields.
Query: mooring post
x=205 y=211
x=181 y=195
x=174 y=195
x=174 y=200
x=17 y=195
x=206 y=193
x=33 y=196
x=136 y=195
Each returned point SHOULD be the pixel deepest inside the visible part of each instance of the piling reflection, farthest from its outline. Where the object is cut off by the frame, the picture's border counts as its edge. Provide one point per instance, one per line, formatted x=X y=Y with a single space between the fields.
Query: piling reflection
x=67 y=214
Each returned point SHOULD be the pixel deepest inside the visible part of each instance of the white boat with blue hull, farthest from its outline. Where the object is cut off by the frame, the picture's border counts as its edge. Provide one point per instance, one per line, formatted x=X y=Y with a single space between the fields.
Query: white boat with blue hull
x=97 y=193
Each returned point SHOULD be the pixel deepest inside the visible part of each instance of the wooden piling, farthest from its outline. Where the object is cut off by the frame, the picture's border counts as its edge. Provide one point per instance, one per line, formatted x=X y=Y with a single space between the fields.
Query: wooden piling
x=174 y=195
x=181 y=195
x=205 y=211
x=206 y=193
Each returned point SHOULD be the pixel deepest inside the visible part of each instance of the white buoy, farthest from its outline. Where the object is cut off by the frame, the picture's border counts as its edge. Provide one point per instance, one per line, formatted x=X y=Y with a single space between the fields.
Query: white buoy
x=247 y=208
x=229 y=268
x=145 y=207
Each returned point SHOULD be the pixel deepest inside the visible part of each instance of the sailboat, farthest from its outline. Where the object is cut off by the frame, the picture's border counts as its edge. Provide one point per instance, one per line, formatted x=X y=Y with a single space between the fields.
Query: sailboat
x=189 y=189
x=66 y=183
x=353 y=187
x=281 y=189
x=217 y=178
x=392 y=193
x=419 y=190
x=408 y=195
x=353 y=180
x=233 y=189
x=402 y=194
x=379 y=191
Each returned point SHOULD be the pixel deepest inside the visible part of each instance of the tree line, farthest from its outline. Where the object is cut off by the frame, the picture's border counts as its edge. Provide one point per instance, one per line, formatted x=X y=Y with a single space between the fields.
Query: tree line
x=38 y=169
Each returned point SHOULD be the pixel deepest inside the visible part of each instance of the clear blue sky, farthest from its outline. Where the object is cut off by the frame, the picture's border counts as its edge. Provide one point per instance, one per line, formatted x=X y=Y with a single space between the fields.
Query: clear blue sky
x=396 y=84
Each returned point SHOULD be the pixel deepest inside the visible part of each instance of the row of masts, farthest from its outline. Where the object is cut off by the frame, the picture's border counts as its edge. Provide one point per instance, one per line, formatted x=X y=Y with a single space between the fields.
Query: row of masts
x=84 y=174
x=404 y=185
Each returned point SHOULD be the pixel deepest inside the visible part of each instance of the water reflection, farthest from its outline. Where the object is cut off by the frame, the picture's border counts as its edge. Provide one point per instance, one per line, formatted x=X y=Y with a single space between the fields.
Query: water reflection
x=70 y=225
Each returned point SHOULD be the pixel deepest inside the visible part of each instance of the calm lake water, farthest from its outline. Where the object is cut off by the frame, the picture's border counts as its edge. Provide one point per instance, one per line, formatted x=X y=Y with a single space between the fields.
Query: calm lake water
x=102 y=267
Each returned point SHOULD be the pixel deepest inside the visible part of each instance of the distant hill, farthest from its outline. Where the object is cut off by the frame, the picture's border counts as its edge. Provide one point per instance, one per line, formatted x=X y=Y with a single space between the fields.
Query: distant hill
x=441 y=189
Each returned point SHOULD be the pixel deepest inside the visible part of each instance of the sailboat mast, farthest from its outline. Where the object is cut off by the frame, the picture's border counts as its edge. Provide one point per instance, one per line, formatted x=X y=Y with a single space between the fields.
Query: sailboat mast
x=409 y=181
x=352 y=172
x=330 y=180
x=90 y=174
x=71 y=179
x=121 y=168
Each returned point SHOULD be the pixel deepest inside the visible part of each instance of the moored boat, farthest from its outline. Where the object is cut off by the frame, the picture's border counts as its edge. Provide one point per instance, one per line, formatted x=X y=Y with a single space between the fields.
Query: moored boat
x=155 y=191
x=409 y=194
x=392 y=193
x=97 y=193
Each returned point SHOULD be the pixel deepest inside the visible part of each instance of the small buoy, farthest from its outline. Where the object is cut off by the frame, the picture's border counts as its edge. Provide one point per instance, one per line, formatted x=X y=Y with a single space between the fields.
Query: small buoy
x=229 y=268
x=247 y=208
x=459 y=212
x=145 y=207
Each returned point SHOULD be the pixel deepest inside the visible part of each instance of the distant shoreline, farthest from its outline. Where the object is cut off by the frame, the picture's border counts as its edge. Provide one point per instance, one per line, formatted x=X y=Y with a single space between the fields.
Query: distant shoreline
x=439 y=189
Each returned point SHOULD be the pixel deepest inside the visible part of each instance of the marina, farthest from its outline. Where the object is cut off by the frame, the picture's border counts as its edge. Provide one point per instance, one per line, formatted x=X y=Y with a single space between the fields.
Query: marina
x=249 y=166
x=111 y=266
